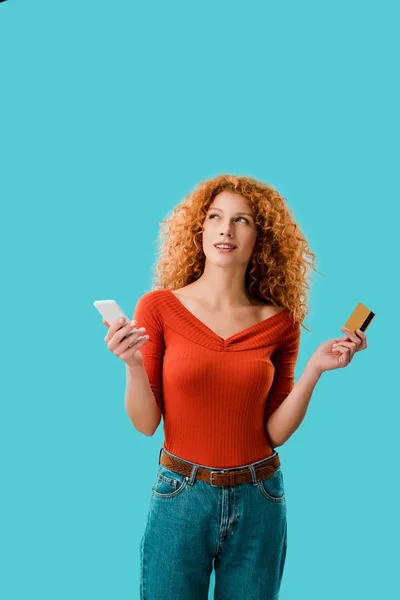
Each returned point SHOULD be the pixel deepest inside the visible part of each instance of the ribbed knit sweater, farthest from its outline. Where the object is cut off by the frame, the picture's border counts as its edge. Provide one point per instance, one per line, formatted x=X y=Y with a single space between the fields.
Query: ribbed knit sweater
x=215 y=394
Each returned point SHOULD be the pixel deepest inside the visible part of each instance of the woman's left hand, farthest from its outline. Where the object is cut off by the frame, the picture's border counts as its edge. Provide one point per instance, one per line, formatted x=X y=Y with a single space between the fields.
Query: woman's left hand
x=338 y=353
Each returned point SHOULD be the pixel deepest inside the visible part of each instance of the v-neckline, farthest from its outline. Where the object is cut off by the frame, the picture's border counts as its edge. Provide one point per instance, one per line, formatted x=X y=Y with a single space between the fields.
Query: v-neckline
x=202 y=325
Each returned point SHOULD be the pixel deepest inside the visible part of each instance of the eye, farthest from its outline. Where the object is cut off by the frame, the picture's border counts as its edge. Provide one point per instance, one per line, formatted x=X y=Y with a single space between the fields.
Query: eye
x=240 y=217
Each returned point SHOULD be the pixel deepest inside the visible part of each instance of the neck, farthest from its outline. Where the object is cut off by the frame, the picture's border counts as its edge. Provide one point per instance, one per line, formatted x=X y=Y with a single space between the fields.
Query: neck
x=222 y=292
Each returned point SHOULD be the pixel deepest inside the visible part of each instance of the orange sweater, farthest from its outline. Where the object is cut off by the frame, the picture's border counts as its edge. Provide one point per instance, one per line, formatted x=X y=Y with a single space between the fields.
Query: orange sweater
x=215 y=395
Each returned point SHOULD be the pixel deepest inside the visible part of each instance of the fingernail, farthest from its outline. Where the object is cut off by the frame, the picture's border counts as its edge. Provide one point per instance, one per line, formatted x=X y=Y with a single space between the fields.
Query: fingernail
x=121 y=320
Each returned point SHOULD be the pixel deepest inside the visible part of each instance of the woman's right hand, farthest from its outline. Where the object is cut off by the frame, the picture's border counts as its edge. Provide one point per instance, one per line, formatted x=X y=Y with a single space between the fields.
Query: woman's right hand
x=126 y=349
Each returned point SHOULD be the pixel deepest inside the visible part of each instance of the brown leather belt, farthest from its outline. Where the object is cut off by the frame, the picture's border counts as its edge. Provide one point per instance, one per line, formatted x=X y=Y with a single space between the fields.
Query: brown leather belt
x=221 y=477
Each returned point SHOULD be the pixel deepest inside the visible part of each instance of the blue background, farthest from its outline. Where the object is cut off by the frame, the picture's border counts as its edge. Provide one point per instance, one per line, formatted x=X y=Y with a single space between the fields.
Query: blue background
x=111 y=112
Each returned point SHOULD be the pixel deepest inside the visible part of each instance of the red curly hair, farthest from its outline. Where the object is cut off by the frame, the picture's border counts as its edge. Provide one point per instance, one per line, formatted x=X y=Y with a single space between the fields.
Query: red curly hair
x=277 y=270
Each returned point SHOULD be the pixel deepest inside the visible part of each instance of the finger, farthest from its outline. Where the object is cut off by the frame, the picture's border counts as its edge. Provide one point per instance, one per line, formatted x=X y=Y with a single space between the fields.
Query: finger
x=348 y=343
x=359 y=337
x=105 y=323
x=130 y=351
x=114 y=327
x=363 y=338
x=126 y=329
x=130 y=341
x=353 y=336
x=344 y=353
x=344 y=344
x=116 y=332
x=121 y=333
x=338 y=340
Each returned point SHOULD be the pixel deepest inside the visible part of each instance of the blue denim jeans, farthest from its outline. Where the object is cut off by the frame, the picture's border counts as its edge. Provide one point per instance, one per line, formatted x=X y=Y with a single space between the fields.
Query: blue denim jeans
x=193 y=526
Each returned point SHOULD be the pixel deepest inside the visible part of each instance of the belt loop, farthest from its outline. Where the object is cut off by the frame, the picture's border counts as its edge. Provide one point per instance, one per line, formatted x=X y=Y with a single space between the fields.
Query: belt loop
x=253 y=474
x=193 y=474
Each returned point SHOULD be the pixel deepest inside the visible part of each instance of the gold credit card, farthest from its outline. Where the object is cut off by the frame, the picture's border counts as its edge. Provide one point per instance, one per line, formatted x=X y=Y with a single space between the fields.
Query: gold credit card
x=360 y=318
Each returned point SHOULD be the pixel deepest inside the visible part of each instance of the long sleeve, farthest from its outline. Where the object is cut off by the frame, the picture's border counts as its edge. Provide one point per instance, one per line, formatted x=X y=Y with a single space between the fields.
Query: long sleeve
x=214 y=393
x=147 y=315
x=284 y=360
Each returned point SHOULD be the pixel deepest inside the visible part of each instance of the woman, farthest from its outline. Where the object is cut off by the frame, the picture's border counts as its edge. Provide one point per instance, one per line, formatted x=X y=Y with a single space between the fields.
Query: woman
x=223 y=332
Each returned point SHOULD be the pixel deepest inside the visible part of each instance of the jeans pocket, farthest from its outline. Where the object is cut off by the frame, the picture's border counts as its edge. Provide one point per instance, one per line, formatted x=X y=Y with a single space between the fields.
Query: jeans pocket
x=168 y=483
x=272 y=487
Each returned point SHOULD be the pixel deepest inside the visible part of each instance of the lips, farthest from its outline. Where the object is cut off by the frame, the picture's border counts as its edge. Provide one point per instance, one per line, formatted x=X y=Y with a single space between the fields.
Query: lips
x=224 y=250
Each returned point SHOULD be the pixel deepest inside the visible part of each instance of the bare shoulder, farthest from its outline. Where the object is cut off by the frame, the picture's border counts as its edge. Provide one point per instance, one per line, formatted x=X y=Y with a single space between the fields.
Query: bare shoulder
x=177 y=292
x=186 y=291
x=268 y=310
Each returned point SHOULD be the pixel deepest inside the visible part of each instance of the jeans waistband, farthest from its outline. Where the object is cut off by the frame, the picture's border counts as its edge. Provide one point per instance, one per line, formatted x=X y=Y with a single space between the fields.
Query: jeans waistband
x=259 y=462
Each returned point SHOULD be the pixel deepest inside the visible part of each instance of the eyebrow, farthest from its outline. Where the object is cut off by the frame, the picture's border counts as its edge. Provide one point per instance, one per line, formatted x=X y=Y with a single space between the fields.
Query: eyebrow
x=238 y=213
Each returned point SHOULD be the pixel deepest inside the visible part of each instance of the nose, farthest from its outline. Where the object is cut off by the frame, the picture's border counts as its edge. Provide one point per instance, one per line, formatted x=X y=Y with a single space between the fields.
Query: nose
x=226 y=232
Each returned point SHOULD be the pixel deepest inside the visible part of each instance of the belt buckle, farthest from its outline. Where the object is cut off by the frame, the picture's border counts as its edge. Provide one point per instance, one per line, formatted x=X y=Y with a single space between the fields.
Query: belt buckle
x=211 y=477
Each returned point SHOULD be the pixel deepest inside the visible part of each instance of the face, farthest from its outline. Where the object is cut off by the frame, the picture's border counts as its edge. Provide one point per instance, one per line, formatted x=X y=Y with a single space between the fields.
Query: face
x=229 y=219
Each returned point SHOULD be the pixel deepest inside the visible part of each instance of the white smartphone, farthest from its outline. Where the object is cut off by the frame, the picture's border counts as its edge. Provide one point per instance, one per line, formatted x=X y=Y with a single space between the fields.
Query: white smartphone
x=111 y=312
